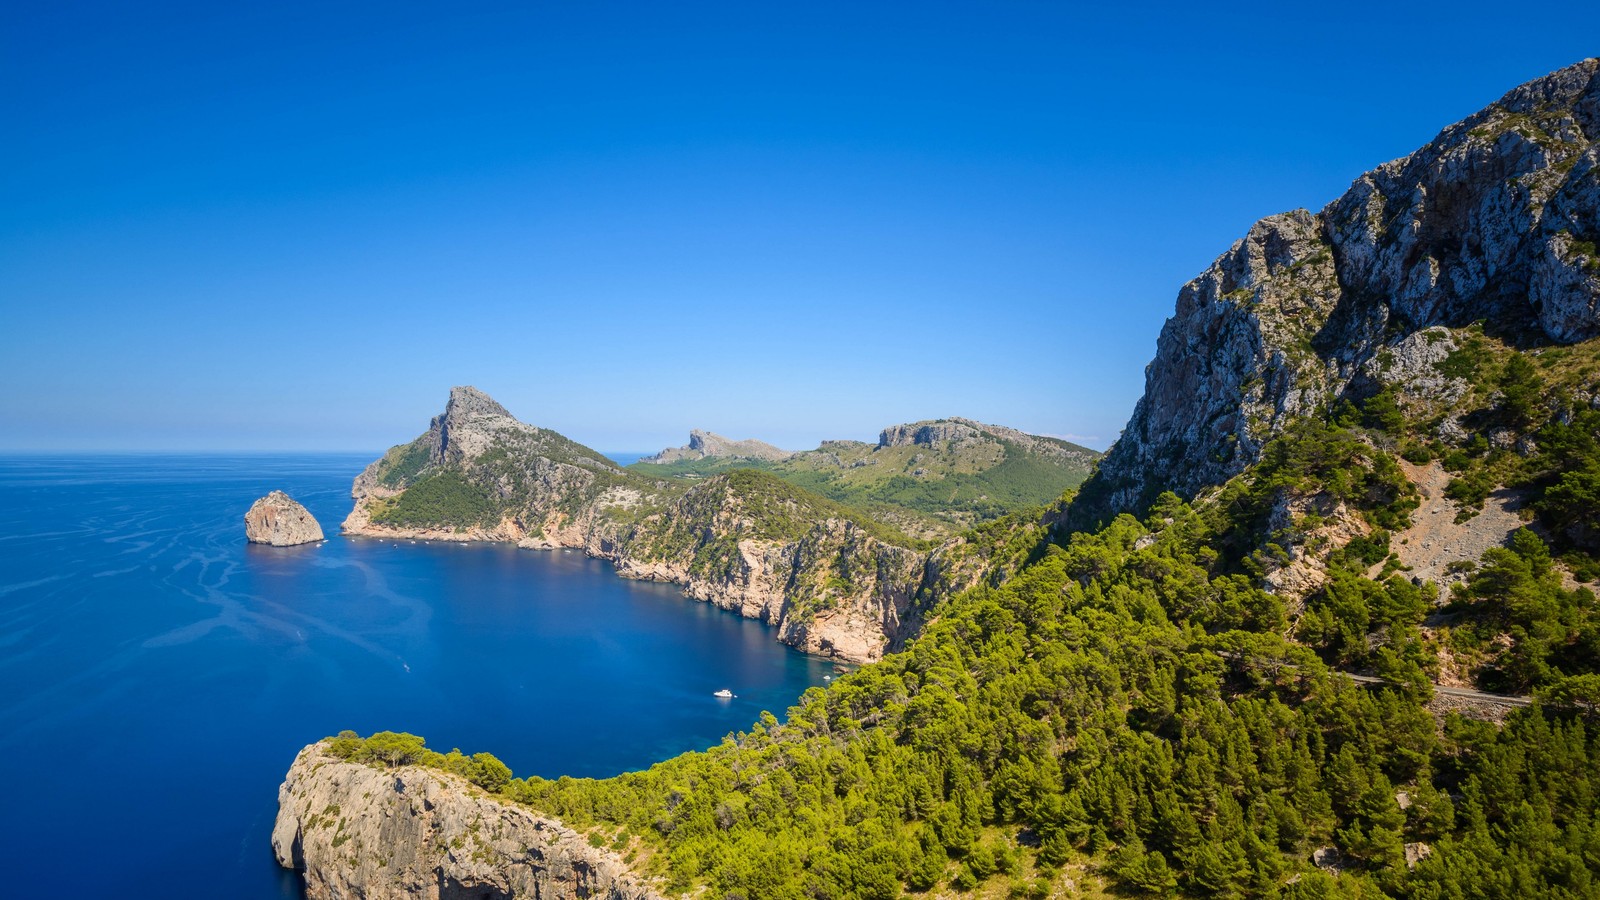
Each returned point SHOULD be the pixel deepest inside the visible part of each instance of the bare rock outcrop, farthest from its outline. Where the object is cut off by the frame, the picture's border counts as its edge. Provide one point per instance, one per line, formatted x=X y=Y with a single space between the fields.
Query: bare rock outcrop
x=942 y=431
x=1497 y=218
x=278 y=520
x=366 y=833
x=708 y=445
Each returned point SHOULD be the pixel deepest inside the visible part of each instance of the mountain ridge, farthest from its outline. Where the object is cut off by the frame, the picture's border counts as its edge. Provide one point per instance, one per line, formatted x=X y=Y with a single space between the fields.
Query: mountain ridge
x=831 y=579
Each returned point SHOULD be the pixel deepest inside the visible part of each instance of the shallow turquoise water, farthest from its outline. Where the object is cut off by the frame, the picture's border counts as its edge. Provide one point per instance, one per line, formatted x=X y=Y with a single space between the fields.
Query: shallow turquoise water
x=158 y=674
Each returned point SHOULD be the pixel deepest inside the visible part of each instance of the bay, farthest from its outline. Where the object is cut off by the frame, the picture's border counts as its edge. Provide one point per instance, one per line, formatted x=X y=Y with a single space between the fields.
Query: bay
x=158 y=674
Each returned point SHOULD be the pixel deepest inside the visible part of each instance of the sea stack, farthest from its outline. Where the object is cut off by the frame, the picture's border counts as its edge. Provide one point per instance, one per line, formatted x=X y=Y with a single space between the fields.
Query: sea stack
x=278 y=520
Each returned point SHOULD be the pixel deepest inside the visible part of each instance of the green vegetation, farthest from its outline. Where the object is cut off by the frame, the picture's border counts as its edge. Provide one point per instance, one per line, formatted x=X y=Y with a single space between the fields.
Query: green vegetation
x=445 y=499
x=781 y=511
x=755 y=505
x=1129 y=706
x=699 y=468
x=929 y=489
x=391 y=749
x=402 y=464
x=1554 y=633
x=1116 y=708
x=1586 y=249
x=1020 y=479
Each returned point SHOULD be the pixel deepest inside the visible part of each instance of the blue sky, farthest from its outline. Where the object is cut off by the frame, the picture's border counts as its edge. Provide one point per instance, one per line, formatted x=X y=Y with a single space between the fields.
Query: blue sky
x=295 y=228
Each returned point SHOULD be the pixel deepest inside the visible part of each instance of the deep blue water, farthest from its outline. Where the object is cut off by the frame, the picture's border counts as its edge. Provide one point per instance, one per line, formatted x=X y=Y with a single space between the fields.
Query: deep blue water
x=158 y=674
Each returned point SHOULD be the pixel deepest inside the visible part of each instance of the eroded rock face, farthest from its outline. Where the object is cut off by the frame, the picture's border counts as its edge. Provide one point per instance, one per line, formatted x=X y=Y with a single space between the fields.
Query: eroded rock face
x=927 y=433
x=382 y=834
x=1497 y=218
x=278 y=520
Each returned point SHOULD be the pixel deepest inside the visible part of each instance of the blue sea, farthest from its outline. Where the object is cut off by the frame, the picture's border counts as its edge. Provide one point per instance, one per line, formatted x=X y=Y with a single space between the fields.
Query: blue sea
x=158 y=674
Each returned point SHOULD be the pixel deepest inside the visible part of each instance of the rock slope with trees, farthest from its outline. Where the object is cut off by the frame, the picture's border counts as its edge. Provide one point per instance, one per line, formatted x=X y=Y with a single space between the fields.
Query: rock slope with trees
x=1157 y=701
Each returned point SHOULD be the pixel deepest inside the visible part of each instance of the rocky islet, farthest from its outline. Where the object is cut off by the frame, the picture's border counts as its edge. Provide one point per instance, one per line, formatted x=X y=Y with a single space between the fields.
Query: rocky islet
x=279 y=521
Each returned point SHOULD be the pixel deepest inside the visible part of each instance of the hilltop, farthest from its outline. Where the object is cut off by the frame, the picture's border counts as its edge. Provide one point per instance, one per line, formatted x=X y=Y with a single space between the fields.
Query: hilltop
x=930 y=479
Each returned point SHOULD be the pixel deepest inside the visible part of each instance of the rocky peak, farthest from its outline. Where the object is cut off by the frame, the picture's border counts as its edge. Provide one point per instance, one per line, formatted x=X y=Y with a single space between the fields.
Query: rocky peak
x=467 y=402
x=466 y=427
x=1496 y=218
x=706 y=445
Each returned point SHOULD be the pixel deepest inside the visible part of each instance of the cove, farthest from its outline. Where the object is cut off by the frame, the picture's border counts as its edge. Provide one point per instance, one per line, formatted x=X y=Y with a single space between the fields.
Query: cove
x=158 y=674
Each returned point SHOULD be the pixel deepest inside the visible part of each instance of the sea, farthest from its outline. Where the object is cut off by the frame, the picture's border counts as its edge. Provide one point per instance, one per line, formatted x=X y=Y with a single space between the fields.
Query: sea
x=158 y=674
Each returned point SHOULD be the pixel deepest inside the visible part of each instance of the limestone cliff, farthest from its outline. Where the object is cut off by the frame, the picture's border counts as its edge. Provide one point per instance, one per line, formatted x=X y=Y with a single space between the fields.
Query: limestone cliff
x=278 y=520
x=354 y=831
x=1497 y=218
x=831 y=580
x=706 y=445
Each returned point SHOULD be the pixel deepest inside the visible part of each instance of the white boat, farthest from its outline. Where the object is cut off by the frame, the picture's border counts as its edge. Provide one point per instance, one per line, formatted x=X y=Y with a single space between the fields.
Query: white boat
x=724 y=693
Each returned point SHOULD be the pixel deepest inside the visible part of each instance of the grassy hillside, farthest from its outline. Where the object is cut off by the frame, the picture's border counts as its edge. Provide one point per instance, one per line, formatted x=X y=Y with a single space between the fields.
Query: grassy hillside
x=928 y=490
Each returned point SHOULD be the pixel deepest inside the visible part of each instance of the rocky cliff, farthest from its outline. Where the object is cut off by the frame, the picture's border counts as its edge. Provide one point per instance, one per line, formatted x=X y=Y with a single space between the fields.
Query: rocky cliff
x=831 y=580
x=1496 y=219
x=354 y=831
x=706 y=445
x=278 y=520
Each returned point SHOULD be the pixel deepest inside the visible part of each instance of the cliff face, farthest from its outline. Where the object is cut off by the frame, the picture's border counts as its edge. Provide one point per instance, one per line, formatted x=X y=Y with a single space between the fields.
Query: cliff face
x=358 y=832
x=830 y=580
x=1497 y=218
x=278 y=520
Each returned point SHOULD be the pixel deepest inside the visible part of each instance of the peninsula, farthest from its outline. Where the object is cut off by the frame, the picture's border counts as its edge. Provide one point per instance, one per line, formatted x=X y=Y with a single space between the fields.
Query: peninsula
x=835 y=577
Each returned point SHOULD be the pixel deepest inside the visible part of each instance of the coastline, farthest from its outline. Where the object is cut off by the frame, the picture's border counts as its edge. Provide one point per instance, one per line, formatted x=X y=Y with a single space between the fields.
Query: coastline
x=760 y=586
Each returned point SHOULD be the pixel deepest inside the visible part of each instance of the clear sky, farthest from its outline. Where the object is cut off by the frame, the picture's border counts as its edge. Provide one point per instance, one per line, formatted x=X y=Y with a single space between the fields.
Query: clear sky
x=280 y=226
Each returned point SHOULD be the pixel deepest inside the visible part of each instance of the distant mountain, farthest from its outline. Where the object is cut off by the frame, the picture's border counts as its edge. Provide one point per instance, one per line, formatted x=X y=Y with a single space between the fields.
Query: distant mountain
x=706 y=445
x=930 y=478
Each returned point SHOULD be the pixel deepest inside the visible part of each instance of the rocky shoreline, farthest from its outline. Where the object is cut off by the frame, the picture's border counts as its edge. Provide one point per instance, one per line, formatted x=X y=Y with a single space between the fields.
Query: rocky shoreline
x=758 y=585
x=829 y=582
x=356 y=831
